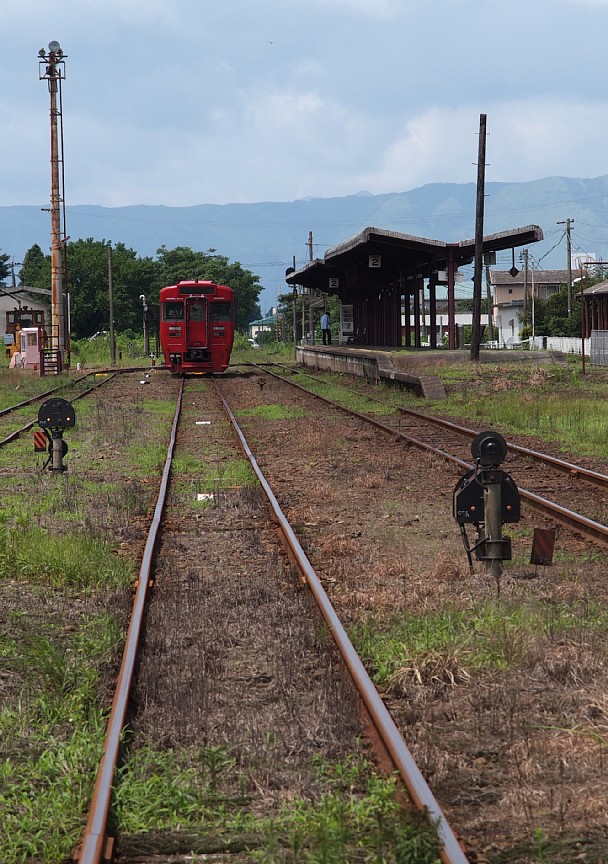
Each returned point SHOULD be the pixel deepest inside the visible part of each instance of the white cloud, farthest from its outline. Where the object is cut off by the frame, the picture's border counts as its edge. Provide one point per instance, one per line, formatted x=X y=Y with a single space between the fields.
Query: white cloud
x=526 y=140
x=180 y=102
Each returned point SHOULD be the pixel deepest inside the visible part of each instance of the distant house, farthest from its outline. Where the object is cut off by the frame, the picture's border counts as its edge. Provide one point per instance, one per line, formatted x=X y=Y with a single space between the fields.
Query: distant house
x=264 y=325
x=461 y=320
x=510 y=294
x=595 y=321
x=18 y=309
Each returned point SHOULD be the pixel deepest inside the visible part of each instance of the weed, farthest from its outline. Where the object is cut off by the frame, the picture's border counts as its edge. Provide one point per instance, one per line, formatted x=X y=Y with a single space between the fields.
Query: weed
x=533 y=403
x=76 y=559
x=272 y=412
x=444 y=646
x=353 y=816
x=57 y=730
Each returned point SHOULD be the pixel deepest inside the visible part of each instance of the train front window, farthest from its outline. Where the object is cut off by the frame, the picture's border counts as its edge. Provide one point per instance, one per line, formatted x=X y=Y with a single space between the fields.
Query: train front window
x=220 y=311
x=197 y=310
x=173 y=310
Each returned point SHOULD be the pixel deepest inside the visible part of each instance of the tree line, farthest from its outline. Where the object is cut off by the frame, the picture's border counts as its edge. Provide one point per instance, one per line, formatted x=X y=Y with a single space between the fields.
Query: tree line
x=87 y=282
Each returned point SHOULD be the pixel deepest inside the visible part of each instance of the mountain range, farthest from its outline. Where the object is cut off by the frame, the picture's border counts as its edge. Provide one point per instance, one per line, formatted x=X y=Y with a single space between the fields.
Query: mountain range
x=266 y=237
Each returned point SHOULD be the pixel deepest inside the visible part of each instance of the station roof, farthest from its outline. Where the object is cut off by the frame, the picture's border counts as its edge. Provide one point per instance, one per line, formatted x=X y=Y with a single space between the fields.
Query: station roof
x=599 y=289
x=401 y=254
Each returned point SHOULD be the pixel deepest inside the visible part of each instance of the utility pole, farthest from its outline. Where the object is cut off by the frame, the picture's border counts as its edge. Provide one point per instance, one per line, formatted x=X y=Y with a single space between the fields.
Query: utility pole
x=295 y=300
x=111 y=305
x=52 y=69
x=568 y=223
x=310 y=329
x=144 y=303
x=526 y=294
x=481 y=168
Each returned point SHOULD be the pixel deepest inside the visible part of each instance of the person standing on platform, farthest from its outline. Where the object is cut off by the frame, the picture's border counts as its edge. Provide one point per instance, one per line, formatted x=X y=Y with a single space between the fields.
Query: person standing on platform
x=326 y=328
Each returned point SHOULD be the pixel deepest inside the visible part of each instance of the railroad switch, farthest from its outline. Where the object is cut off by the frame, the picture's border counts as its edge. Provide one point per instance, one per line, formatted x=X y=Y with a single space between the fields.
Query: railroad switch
x=54 y=417
x=487 y=497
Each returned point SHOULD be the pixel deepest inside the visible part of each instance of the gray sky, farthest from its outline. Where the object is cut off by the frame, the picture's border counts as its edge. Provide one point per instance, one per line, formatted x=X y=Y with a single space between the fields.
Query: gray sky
x=183 y=102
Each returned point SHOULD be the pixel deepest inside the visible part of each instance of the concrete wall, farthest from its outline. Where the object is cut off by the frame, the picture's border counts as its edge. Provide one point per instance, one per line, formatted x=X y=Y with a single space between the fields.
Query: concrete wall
x=362 y=364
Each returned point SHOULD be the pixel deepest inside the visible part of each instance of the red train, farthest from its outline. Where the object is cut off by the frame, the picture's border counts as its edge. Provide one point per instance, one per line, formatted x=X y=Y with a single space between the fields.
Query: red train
x=196 y=326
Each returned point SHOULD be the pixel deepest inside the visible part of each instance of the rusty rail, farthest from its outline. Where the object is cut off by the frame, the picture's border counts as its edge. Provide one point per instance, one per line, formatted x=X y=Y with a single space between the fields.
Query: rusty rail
x=29 y=425
x=392 y=739
x=594 y=530
x=594 y=477
x=94 y=845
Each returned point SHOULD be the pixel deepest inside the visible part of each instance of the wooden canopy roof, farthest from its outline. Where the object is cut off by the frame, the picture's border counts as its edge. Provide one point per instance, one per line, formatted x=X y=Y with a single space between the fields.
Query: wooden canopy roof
x=400 y=255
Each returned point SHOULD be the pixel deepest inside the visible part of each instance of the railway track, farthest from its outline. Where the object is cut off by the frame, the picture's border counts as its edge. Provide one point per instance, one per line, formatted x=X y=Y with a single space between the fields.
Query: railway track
x=570 y=494
x=171 y=581
x=373 y=518
x=10 y=426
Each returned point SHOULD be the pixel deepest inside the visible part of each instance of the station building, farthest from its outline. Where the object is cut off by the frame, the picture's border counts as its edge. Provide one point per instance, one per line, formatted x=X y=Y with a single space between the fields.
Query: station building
x=380 y=275
x=23 y=308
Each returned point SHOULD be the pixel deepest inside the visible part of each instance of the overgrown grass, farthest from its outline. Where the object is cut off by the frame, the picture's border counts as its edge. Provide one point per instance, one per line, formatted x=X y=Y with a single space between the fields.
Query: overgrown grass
x=147 y=458
x=17 y=385
x=52 y=736
x=555 y=403
x=354 y=393
x=56 y=570
x=273 y=352
x=40 y=811
x=353 y=815
x=580 y=425
x=494 y=636
x=96 y=352
x=76 y=559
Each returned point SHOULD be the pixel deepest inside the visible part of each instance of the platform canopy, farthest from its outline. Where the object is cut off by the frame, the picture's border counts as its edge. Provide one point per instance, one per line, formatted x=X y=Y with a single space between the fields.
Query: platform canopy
x=381 y=275
x=386 y=256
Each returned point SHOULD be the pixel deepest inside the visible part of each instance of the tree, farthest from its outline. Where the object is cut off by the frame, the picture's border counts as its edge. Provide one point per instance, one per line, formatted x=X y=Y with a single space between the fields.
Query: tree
x=465 y=305
x=5 y=269
x=551 y=316
x=87 y=283
x=285 y=312
x=36 y=268
x=132 y=276
x=182 y=263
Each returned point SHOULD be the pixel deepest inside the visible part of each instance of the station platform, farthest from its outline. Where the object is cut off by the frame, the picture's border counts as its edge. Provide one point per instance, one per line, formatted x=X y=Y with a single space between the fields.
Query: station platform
x=373 y=364
x=408 y=368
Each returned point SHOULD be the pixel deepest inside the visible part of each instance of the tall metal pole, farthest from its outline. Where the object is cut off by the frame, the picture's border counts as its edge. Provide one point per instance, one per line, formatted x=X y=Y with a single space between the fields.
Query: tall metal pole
x=56 y=262
x=481 y=167
x=52 y=69
x=144 y=301
x=533 y=306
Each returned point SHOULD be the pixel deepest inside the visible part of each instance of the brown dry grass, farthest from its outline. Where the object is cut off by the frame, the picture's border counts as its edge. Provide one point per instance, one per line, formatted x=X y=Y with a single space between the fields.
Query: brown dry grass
x=511 y=751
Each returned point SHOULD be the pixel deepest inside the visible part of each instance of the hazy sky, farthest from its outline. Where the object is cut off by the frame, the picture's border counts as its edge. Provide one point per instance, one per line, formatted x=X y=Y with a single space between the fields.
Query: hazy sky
x=183 y=102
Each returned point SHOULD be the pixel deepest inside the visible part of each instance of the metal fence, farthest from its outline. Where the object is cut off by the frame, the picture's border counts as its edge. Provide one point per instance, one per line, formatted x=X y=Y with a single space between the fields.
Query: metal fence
x=566 y=344
x=599 y=347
